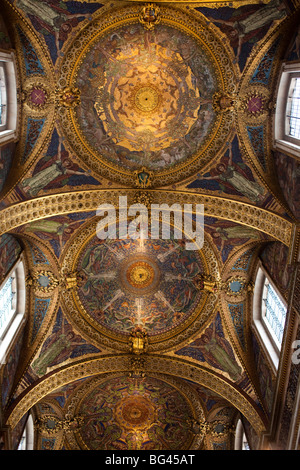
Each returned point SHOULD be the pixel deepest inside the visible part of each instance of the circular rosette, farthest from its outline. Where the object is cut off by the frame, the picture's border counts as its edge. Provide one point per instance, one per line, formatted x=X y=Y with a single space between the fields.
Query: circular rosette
x=151 y=104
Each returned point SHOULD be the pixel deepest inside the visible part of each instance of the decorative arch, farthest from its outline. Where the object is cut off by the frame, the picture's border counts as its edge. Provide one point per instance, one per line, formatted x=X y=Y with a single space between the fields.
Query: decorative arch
x=153 y=364
x=268 y=222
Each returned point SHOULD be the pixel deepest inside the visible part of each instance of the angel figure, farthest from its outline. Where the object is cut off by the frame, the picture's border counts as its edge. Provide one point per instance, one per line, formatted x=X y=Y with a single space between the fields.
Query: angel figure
x=247 y=27
x=57 y=349
x=230 y=174
x=52 y=17
x=215 y=350
x=48 y=229
x=40 y=180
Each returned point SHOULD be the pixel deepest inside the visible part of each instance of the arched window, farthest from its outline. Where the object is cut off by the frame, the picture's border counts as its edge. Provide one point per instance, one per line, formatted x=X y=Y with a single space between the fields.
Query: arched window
x=287 y=115
x=8 y=97
x=3 y=97
x=27 y=439
x=7 y=302
x=269 y=315
x=293 y=110
x=12 y=307
x=240 y=442
x=273 y=312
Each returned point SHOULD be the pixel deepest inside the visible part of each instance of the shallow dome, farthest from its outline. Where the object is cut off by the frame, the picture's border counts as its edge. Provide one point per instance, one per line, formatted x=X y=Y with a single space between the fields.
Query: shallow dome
x=146 y=97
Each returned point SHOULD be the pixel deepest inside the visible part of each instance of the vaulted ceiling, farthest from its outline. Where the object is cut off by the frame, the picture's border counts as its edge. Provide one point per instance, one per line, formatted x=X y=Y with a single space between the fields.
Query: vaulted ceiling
x=130 y=343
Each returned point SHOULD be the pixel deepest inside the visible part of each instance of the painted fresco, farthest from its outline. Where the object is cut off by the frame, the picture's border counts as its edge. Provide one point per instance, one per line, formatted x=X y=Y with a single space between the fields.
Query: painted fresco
x=147 y=99
x=155 y=116
x=6 y=159
x=266 y=381
x=228 y=236
x=231 y=176
x=247 y=25
x=274 y=257
x=288 y=173
x=213 y=348
x=17 y=432
x=60 y=346
x=145 y=283
x=293 y=52
x=56 y=230
x=252 y=437
x=10 y=250
x=9 y=371
x=40 y=309
x=5 y=42
x=60 y=397
x=55 y=170
x=55 y=19
x=121 y=414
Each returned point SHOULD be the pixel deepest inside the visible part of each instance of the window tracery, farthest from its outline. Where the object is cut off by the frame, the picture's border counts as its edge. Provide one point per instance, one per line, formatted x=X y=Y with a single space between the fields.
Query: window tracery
x=26 y=441
x=241 y=442
x=12 y=307
x=293 y=109
x=8 y=97
x=269 y=315
x=287 y=115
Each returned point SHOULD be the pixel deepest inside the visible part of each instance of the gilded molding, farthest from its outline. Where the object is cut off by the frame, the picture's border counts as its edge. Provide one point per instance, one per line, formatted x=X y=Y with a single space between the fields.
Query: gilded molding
x=196 y=3
x=42 y=280
x=192 y=24
x=91 y=329
x=183 y=388
x=263 y=220
x=153 y=364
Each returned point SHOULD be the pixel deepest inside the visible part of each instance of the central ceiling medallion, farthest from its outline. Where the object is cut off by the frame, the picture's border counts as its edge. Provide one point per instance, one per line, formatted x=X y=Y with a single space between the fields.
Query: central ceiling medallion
x=147 y=95
x=149 y=104
x=147 y=99
x=140 y=274
x=136 y=413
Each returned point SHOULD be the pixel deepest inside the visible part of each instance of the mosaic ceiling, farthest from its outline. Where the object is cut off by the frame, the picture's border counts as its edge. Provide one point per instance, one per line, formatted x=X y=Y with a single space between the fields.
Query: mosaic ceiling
x=141 y=343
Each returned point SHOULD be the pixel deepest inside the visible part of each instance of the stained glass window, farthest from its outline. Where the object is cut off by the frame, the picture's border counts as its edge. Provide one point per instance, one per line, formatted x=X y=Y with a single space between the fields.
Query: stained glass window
x=6 y=304
x=274 y=311
x=293 y=113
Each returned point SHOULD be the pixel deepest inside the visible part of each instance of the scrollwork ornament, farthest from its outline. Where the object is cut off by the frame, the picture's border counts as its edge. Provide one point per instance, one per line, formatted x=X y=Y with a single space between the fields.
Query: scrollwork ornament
x=143 y=197
x=137 y=367
x=69 y=97
x=213 y=428
x=43 y=425
x=198 y=427
x=138 y=341
x=143 y=178
x=71 y=280
x=36 y=96
x=205 y=282
x=224 y=102
x=42 y=281
x=51 y=425
x=237 y=286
